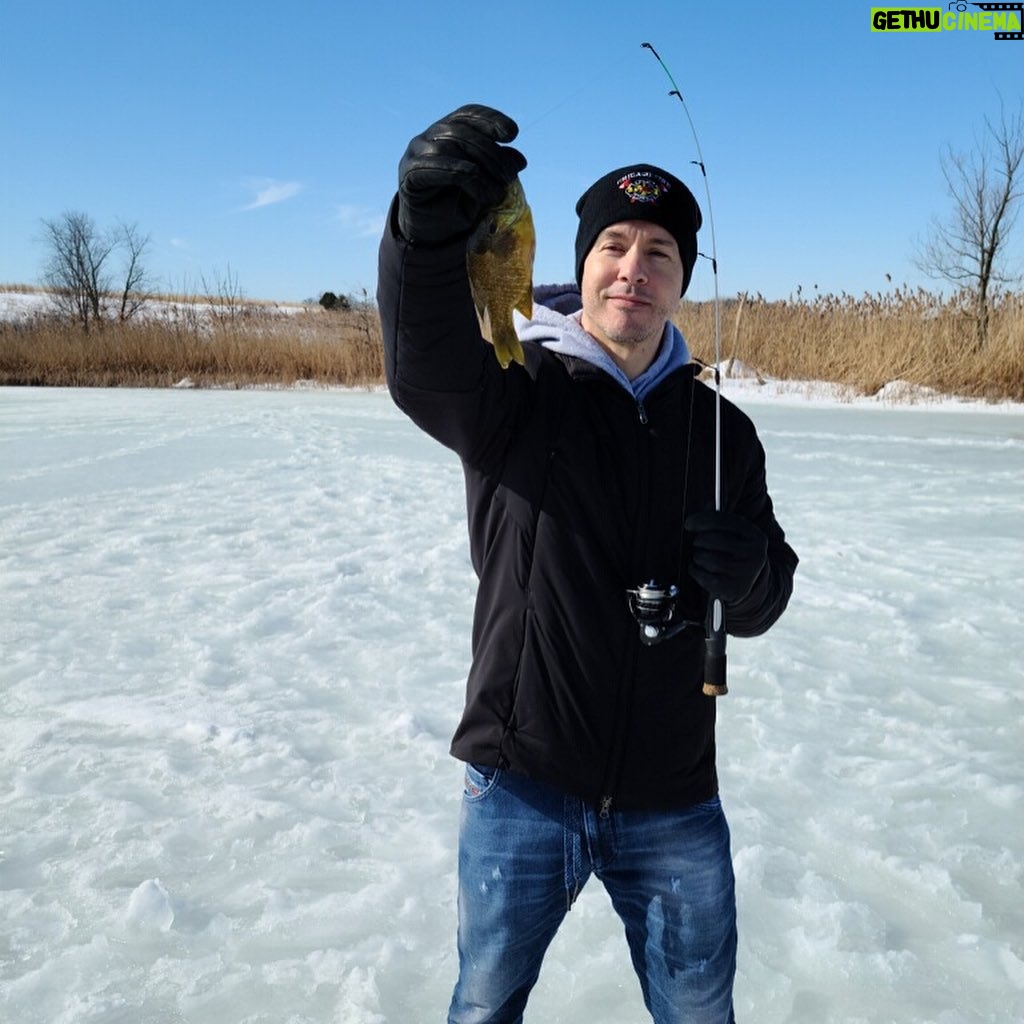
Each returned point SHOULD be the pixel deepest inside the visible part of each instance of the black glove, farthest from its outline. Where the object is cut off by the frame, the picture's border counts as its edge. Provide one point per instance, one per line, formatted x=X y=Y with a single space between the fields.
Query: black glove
x=454 y=172
x=728 y=555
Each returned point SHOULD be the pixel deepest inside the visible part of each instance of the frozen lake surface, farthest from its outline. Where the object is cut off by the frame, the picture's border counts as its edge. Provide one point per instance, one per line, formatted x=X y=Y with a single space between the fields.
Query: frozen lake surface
x=234 y=630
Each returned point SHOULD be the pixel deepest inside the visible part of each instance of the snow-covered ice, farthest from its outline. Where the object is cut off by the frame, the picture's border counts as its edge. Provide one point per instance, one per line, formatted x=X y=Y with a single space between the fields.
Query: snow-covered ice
x=234 y=629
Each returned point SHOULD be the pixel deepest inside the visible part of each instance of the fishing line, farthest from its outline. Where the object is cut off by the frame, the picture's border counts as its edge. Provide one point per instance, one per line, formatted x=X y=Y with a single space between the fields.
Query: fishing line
x=714 y=643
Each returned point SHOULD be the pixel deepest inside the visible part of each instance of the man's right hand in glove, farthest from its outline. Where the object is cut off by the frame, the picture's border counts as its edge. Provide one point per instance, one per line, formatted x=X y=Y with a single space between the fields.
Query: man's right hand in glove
x=454 y=172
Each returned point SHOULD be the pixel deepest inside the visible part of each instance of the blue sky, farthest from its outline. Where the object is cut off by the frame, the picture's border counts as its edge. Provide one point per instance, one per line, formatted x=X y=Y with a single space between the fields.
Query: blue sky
x=259 y=141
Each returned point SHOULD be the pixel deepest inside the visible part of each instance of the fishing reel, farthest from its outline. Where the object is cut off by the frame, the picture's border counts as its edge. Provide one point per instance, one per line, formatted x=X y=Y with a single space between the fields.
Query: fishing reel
x=654 y=607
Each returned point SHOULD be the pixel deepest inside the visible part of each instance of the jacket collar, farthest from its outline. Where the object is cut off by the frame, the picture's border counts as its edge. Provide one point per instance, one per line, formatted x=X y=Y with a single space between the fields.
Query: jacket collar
x=565 y=336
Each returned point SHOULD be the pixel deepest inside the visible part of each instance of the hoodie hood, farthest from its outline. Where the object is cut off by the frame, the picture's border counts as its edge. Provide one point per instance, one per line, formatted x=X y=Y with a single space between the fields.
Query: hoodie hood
x=565 y=335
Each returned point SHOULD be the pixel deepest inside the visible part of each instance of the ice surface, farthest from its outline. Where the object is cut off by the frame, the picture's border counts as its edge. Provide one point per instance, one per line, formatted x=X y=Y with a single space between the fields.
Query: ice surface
x=234 y=630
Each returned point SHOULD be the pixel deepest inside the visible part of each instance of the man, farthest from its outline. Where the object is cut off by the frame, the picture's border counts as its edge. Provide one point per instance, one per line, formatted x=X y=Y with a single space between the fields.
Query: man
x=589 y=471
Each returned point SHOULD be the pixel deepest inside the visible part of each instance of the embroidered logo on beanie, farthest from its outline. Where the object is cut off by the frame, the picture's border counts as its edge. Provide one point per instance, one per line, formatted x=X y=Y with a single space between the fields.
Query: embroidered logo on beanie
x=643 y=186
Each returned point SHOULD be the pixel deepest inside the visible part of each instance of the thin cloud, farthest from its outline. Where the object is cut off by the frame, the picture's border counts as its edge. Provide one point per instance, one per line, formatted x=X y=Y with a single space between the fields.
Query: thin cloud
x=360 y=221
x=269 y=191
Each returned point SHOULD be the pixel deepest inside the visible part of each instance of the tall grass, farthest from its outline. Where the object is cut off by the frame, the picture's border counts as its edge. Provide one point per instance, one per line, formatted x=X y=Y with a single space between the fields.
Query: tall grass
x=862 y=343
x=203 y=344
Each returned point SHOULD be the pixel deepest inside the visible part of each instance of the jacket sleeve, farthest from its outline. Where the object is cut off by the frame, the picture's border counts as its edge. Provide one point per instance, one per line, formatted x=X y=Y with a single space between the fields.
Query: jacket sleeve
x=767 y=599
x=439 y=369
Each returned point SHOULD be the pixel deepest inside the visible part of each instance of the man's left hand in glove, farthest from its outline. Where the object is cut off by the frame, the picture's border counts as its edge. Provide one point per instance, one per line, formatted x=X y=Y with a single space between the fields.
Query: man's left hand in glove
x=728 y=554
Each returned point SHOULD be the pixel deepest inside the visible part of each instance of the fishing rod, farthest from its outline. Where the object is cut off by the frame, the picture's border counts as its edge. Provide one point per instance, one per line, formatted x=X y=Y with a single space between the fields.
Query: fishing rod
x=714 y=631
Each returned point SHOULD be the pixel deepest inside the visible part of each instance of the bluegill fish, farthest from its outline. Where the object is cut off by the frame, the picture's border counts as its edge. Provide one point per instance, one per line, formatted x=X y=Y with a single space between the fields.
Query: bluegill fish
x=500 y=263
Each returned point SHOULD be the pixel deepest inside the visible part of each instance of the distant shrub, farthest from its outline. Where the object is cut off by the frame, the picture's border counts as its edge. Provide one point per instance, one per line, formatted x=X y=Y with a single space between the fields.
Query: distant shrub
x=331 y=301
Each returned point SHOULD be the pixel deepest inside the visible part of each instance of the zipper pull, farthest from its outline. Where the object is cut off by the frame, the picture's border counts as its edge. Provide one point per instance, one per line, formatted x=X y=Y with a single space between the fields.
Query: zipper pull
x=606 y=808
x=643 y=412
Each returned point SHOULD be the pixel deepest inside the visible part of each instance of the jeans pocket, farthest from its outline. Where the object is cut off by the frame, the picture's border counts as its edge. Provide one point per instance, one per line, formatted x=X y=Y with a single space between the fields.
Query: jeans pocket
x=479 y=781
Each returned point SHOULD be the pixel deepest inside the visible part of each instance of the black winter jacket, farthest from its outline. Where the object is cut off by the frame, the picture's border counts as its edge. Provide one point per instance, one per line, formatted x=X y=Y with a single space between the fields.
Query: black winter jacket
x=576 y=493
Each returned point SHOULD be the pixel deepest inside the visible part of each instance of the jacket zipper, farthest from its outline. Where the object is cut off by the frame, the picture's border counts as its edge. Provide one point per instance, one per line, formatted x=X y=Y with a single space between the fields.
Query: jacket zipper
x=618 y=738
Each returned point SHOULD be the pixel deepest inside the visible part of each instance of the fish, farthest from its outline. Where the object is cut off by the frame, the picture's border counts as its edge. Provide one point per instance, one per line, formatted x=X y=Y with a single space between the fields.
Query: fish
x=499 y=258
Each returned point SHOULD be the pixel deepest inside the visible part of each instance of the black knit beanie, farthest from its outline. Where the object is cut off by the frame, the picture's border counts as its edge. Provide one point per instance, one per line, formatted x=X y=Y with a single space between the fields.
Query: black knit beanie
x=639 y=192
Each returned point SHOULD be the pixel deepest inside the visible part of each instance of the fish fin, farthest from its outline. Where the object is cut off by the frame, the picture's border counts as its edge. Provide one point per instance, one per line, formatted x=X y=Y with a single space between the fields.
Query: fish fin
x=486 y=327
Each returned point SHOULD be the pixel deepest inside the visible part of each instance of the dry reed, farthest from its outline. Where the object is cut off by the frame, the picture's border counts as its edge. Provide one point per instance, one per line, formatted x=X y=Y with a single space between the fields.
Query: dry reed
x=862 y=343
x=208 y=347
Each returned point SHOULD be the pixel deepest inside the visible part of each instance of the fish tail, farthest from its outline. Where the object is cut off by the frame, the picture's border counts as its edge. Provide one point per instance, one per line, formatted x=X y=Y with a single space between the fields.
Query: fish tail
x=507 y=347
x=502 y=335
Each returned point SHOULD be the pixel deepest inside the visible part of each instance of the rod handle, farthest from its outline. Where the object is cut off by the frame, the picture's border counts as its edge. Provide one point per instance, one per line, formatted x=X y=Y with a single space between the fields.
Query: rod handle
x=714 y=653
x=714 y=672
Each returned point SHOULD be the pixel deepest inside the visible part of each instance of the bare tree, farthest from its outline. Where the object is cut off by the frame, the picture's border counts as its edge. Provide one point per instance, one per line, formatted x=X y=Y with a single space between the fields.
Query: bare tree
x=225 y=297
x=986 y=186
x=76 y=266
x=136 y=284
x=80 y=268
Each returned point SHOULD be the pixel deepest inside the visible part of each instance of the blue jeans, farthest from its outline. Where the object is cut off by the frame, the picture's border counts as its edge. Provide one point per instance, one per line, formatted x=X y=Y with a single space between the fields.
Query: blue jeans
x=525 y=852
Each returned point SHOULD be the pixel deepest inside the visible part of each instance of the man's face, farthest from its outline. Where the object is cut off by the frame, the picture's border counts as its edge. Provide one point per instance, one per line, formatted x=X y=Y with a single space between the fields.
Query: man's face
x=631 y=284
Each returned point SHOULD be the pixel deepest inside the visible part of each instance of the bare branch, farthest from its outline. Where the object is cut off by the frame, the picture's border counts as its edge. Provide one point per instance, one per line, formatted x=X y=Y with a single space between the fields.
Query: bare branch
x=986 y=186
x=135 y=291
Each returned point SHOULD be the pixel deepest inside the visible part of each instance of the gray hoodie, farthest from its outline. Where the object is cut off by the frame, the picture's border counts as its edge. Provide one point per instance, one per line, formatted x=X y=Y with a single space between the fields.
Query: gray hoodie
x=564 y=334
